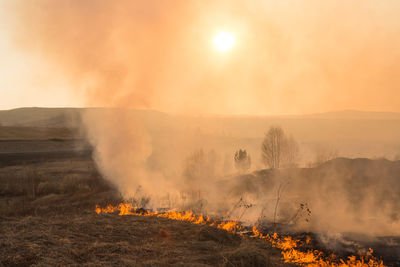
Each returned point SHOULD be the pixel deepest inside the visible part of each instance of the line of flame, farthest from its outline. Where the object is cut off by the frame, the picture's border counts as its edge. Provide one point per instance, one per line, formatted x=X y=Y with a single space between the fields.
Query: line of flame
x=286 y=244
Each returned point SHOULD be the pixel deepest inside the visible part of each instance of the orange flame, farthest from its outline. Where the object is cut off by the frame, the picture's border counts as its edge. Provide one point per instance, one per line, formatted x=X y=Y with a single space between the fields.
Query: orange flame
x=123 y=208
x=186 y=216
x=229 y=226
x=286 y=244
x=313 y=258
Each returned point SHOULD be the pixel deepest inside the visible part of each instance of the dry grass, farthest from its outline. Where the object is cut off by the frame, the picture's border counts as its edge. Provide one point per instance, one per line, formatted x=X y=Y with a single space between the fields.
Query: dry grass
x=37 y=133
x=104 y=240
x=72 y=186
x=247 y=256
x=47 y=218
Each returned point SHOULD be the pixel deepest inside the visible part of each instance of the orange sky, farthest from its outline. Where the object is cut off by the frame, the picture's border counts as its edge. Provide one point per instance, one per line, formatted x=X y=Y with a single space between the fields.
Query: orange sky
x=289 y=56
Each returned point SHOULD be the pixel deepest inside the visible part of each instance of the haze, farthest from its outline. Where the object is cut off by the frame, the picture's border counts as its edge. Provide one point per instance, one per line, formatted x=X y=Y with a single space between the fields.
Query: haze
x=171 y=81
x=290 y=57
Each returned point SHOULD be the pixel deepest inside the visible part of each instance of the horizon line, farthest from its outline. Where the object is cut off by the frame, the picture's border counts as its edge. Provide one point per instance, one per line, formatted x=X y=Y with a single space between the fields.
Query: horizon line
x=211 y=114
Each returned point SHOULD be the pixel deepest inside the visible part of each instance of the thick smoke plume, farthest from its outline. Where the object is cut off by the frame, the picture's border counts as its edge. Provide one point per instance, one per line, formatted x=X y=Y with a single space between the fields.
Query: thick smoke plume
x=306 y=56
x=302 y=57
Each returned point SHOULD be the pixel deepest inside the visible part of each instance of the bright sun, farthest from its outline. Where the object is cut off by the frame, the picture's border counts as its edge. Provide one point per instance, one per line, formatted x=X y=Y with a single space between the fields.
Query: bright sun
x=224 y=41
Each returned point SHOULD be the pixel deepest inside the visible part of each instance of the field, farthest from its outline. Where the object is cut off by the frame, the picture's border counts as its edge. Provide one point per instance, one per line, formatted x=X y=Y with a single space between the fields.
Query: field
x=47 y=218
x=50 y=185
x=200 y=133
x=48 y=191
x=92 y=240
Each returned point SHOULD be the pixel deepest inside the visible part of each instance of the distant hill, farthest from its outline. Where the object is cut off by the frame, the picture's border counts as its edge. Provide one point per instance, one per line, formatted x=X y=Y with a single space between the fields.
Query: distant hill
x=71 y=117
x=62 y=117
x=41 y=117
x=355 y=115
x=351 y=133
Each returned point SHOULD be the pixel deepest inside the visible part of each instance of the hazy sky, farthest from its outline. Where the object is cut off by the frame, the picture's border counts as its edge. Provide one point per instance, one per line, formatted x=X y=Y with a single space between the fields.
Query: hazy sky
x=289 y=56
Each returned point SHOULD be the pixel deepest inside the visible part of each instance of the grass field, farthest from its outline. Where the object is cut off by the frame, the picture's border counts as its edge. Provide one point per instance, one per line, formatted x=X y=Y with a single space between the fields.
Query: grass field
x=47 y=218
x=49 y=186
x=92 y=240
x=37 y=133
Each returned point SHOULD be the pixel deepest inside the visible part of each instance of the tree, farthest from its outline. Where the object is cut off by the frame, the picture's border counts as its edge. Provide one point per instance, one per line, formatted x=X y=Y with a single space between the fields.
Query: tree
x=277 y=150
x=242 y=160
x=272 y=147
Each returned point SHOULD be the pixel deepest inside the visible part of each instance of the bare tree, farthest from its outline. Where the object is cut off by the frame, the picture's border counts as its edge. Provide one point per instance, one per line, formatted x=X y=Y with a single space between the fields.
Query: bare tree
x=242 y=160
x=272 y=147
x=279 y=150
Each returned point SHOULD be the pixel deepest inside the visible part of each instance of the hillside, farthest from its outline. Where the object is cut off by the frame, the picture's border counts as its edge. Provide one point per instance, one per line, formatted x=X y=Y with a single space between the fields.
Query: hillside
x=40 y=117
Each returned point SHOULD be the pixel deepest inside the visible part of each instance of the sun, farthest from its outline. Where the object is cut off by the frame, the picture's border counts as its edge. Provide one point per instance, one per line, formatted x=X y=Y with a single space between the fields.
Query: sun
x=224 y=41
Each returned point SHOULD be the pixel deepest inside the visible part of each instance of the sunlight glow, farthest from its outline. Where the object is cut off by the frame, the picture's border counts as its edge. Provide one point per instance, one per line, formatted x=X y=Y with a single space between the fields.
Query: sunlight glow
x=224 y=41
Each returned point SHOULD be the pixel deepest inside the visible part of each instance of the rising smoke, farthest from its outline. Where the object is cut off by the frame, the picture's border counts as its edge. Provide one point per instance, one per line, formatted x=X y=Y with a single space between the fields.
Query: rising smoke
x=290 y=58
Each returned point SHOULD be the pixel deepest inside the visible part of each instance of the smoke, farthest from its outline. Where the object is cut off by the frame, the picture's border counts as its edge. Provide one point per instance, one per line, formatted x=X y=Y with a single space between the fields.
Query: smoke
x=307 y=56
x=344 y=195
x=340 y=196
x=290 y=57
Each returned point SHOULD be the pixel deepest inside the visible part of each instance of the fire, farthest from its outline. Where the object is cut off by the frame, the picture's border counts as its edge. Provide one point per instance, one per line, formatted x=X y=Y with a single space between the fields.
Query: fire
x=186 y=216
x=123 y=208
x=287 y=245
x=229 y=226
x=313 y=258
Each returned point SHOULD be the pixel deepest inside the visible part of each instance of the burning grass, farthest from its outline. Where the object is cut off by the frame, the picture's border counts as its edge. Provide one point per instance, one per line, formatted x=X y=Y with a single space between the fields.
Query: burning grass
x=290 y=248
x=292 y=253
x=186 y=216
